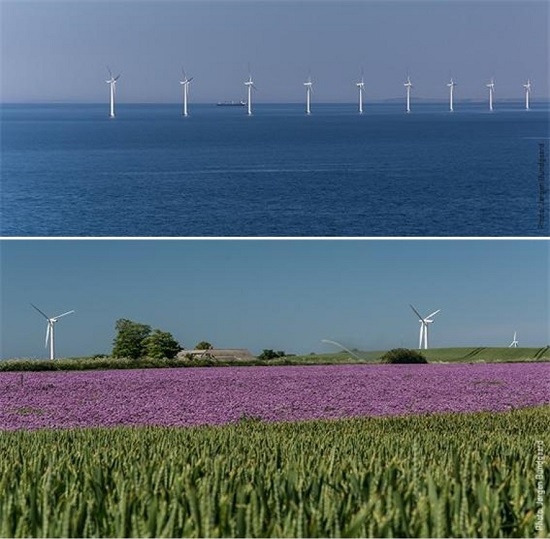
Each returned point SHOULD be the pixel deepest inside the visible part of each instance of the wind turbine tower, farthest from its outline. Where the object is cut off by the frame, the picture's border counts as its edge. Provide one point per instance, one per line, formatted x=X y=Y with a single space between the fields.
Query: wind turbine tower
x=309 y=90
x=249 y=85
x=112 y=83
x=527 y=93
x=491 y=87
x=185 y=86
x=361 y=86
x=424 y=322
x=514 y=343
x=50 y=329
x=408 y=86
x=451 y=86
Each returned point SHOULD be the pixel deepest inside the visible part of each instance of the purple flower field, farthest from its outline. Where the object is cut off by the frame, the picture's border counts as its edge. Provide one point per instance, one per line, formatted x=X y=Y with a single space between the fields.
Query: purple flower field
x=217 y=395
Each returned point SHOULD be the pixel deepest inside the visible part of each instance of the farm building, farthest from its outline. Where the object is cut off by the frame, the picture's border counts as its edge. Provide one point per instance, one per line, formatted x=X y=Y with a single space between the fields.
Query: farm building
x=226 y=354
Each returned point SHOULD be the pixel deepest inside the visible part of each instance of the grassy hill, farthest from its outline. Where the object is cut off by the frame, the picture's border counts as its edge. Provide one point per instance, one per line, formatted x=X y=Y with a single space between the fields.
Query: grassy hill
x=442 y=355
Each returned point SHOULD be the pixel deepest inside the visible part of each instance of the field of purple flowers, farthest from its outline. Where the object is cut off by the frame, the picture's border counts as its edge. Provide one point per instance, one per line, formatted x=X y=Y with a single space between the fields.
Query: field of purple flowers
x=195 y=396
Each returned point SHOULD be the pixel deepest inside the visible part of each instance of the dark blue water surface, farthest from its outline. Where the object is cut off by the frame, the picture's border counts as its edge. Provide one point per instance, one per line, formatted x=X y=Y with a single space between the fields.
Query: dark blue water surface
x=69 y=170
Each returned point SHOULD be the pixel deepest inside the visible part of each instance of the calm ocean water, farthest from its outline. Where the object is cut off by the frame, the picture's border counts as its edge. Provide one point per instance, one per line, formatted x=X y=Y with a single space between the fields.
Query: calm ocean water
x=68 y=170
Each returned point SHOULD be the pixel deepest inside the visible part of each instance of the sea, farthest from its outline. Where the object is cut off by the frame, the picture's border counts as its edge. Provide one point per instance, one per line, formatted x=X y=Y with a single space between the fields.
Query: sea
x=70 y=170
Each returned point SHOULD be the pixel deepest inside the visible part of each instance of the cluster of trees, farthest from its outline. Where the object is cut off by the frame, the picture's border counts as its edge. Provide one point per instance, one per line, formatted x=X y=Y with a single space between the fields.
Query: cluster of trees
x=270 y=354
x=402 y=355
x=135 y=340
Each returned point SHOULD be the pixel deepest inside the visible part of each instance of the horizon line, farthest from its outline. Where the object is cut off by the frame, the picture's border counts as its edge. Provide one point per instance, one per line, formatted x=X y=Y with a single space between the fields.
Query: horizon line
x=388 y=100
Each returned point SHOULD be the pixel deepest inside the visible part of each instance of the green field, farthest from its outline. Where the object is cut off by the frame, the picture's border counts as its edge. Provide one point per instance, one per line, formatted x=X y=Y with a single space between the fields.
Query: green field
x=444 y=355
x=470 y=475
x=434 y=355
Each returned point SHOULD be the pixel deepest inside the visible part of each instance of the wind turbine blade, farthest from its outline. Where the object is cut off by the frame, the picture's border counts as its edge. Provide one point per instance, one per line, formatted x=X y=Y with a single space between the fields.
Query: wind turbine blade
x=44 y=315
x=117 y=77
x=340 y=346
x=189 y=80
x=110 y=72
x=417 y=313
x=47 y=335
x=433 y=314
x=64 y=314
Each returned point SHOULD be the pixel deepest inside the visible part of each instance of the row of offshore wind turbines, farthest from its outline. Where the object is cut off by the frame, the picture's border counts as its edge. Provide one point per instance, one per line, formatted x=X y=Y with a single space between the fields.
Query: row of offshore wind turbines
x=185 y=82
x=425 y=322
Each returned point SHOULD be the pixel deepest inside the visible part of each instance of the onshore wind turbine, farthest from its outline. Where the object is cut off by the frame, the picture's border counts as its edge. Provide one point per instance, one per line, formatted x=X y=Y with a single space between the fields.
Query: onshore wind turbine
x=341 y=346
x=424 y=322
x=185 y=84
x=527 y=93
x=112 y=83
x=249 y=85
x=514 y=343
x=50 y=329
x=309 y=89
x=451 y=86
x=408 y=86
x=361 y=86
x=491 y=87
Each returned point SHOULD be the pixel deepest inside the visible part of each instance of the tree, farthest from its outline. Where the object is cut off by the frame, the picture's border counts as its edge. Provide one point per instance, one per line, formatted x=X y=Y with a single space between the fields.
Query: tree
x=204 y=345
x=270 y=354
x=402 y=355
x=129 y=341
x=160 y=345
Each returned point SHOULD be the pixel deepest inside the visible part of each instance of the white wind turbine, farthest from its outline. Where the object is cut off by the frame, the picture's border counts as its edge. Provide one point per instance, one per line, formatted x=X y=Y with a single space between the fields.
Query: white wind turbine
x=424 y=322
x=408 y=86
x=491 y=87
x=451 y=86
x=309 y=90
x=361 y=86
x=185 y=84
x=50 y=329
x=112 y=82
x=249 y=85
x=515 y=342
x=527 y=93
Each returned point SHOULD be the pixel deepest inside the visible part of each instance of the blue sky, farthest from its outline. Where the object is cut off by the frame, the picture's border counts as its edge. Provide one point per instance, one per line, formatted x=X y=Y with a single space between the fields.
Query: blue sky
x=286 y=295
x=58 y=50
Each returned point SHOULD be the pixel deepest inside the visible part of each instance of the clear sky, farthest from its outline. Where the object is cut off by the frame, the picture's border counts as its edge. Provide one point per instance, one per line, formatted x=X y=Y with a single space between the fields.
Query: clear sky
x=279 y=294
x=58 y=50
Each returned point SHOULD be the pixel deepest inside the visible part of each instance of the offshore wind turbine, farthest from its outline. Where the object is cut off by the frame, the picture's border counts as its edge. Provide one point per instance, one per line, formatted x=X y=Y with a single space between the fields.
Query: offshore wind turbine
x=451 y=86
x=491 y=87
x=514 y=343
x=309 y=90
x=249 y=85
x=112 y=83
x=408 y=86
x=424 y=322
x=527 y=93
x=50 y=329
x=185 y=86
x=361 y=86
